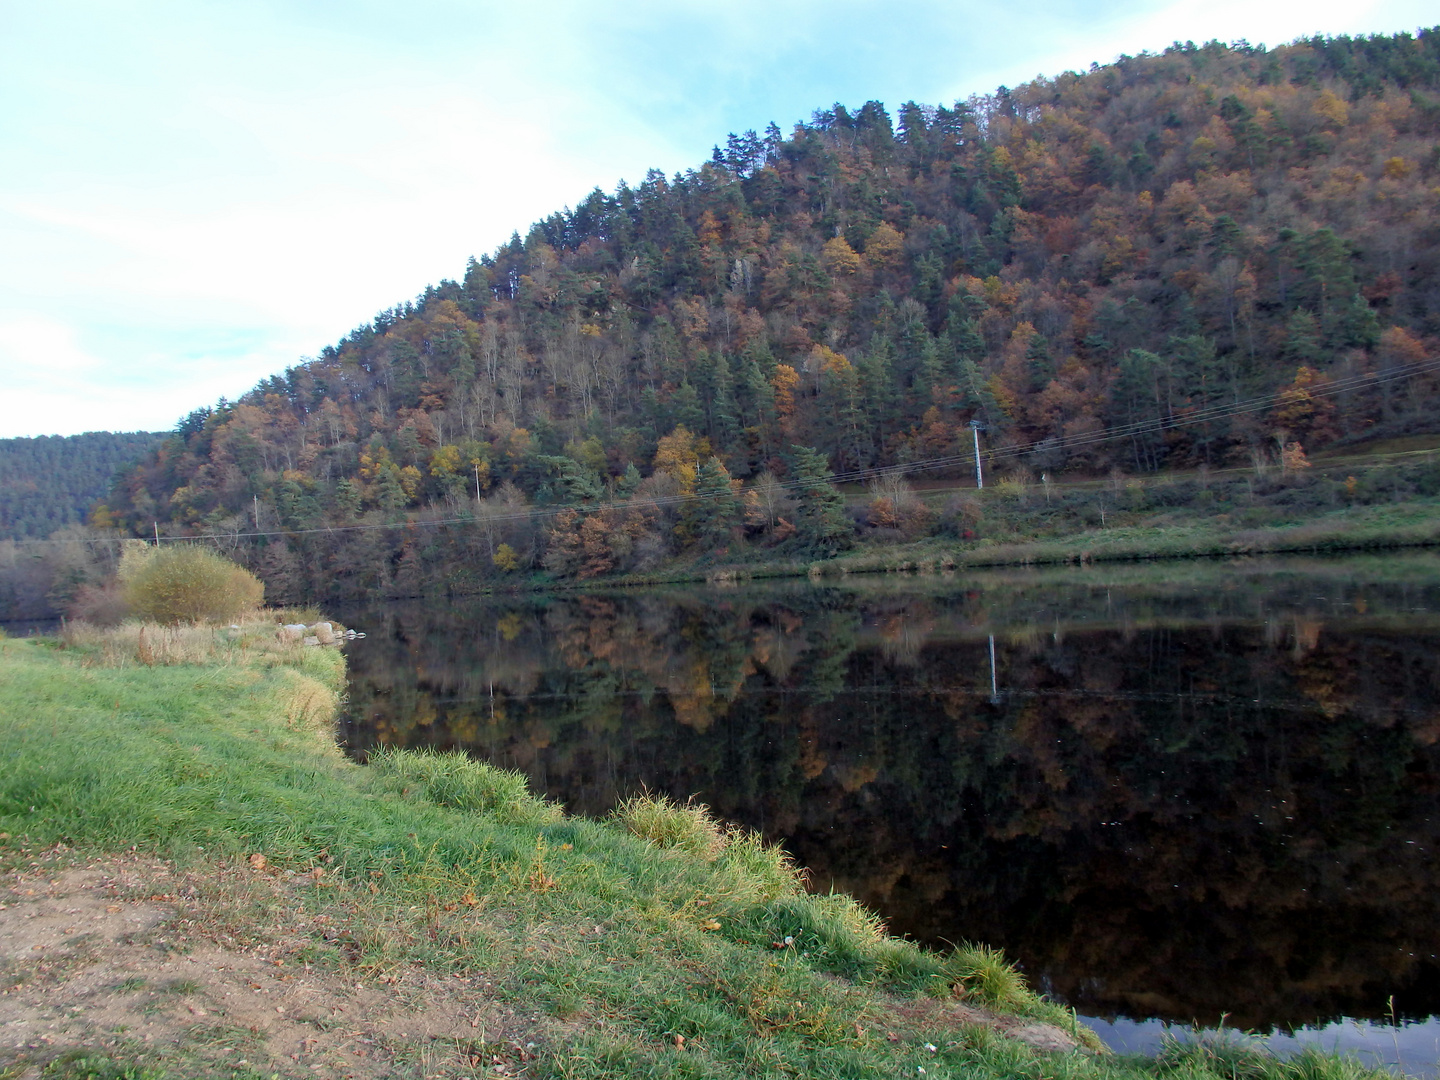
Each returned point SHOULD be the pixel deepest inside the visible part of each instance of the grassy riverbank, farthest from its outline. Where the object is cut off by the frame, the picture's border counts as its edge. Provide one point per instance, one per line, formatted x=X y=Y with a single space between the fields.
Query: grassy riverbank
x=1374 y=502
x=1138 y=537
x=1367 y=528
x=450 y=923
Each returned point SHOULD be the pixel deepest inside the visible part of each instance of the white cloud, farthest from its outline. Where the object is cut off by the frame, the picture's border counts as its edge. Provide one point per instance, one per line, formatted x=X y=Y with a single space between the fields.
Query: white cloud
x=38 y=350
x=55 y=382
x=47 y=374
x=198 y=195
x=217 y=227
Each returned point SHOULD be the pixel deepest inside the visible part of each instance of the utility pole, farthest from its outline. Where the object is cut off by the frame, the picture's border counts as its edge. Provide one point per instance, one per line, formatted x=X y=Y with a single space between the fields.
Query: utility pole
x=477 y=481
x=975 y=428
x=257 y=512
x=156 y=526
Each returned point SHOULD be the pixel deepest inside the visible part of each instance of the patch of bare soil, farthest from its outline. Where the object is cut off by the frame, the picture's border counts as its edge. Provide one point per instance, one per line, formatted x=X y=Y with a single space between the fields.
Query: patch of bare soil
x=128 y=958
x=243 y=973
x=1033 y=1033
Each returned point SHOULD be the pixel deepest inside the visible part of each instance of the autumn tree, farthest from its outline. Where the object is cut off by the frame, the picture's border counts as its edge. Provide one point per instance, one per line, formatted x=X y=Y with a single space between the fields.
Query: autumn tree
x=1304 y=411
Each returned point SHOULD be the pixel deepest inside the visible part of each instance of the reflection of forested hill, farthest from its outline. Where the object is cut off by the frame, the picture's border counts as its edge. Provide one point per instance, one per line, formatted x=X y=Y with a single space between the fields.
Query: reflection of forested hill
x=1177 y=820
x=1145 y=244
x=52 y=481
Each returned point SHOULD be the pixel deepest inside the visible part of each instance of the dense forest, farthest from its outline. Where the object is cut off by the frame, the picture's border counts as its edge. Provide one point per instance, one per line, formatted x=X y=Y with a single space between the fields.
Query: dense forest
x=1216 y=255
x=52 y=481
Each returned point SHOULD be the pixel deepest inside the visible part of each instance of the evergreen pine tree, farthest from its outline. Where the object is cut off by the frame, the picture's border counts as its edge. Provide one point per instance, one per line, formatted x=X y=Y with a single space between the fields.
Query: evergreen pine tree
x=685 y=408
x=1041 y=365
x=347 y=500
x=656 y=416
x=975 y=393
x=822 y=525
x=626 y=483
x=877 y=386
x=389 y=494
x=928 y=373
x=715 y=510
x=724 y=416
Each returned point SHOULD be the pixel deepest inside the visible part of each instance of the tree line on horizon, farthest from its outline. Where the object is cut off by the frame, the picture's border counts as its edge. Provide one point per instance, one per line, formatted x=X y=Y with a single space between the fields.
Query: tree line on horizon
x=51 y=481
x=683 y=366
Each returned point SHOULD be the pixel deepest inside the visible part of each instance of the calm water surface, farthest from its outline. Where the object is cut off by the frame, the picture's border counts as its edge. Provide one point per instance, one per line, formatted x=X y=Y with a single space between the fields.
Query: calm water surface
x=1174 y=794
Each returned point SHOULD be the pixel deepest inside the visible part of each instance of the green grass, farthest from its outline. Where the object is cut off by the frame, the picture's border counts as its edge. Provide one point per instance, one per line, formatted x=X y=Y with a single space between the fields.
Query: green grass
x=633 y=937
x=1134 y=538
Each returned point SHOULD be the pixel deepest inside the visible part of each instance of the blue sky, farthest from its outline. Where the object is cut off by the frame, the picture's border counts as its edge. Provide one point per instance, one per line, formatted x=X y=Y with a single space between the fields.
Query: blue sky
x=194 y=195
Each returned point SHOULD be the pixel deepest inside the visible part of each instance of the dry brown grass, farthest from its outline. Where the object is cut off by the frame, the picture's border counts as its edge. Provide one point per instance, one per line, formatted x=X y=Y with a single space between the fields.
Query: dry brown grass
x=310 y=707
x=151 y=644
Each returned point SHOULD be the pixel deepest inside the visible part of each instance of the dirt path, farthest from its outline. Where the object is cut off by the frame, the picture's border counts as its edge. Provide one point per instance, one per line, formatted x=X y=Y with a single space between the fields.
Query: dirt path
x=127 y=958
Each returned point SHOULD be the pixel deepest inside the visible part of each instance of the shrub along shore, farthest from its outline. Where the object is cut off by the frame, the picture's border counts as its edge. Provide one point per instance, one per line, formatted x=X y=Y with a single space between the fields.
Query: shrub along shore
x=654 y=943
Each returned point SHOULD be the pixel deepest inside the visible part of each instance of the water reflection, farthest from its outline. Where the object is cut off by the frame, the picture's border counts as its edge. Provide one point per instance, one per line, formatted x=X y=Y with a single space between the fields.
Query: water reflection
x=1169 y=798
x=1409 y=1047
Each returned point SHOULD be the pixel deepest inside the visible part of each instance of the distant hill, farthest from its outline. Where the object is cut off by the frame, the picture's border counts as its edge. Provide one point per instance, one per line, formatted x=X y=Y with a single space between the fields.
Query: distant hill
x=52 y=481
x=1214 y=255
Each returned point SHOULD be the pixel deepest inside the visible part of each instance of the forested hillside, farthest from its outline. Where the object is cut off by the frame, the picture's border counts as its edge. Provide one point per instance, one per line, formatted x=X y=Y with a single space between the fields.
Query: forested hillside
x=1212 y=256
x=52 y=481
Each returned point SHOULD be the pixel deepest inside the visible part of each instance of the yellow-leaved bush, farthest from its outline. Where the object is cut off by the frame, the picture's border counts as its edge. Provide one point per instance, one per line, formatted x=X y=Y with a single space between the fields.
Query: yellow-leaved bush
x=186 y=583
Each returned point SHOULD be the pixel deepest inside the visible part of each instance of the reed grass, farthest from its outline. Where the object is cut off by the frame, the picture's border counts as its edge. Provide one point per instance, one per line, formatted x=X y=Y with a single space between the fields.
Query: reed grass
x=254 y=639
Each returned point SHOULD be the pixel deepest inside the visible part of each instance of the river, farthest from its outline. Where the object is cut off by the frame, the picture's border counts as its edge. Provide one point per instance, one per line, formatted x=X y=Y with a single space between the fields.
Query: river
x=1183 y=793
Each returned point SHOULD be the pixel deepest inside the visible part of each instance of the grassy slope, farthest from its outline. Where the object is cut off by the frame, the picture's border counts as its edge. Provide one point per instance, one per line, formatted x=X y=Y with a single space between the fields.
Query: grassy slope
x=448 y=864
